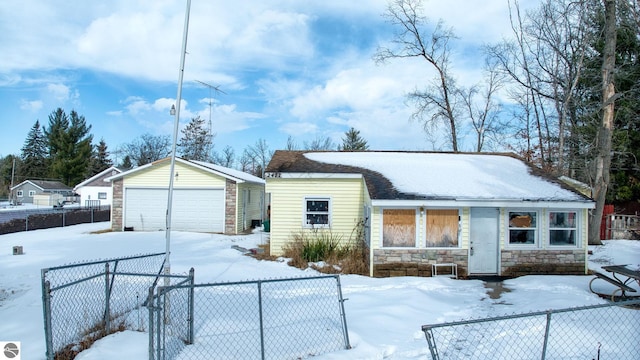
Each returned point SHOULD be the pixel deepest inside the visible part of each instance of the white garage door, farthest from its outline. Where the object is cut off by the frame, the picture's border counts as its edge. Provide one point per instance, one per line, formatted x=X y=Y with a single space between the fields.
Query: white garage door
x=193 y=209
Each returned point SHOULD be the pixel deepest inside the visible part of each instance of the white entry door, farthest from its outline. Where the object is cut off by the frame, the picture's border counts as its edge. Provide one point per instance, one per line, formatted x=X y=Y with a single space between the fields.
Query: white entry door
x=483 y=245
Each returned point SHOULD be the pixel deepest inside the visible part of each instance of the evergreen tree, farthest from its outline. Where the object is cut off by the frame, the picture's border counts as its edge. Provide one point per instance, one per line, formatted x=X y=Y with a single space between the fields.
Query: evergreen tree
x=126 y=163
x=353 y=141
x=34 y=154
x=196 y=141
x=69 y=146
x=100 y=158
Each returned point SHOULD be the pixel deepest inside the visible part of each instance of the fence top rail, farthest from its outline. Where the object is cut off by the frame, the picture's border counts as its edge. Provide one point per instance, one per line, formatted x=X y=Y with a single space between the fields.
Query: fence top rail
x=45 y=270
x=536 y=313
x=248 y=282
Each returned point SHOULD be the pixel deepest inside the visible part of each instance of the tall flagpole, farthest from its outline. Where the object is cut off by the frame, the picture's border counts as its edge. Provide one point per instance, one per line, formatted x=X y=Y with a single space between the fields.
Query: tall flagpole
x=167 y=264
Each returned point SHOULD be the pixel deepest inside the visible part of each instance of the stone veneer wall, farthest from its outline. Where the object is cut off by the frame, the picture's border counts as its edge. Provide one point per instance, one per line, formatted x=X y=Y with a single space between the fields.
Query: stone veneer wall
x=116 y=205
x=415 y=262
x=230 y=208
x=528 y=262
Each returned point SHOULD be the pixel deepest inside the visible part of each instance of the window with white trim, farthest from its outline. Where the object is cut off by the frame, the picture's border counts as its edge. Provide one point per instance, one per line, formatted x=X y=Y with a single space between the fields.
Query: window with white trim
x=32 y=193
x=523 y=227
x=102 y=195
x=19 y=193
x=317 y=212
x=563 y=228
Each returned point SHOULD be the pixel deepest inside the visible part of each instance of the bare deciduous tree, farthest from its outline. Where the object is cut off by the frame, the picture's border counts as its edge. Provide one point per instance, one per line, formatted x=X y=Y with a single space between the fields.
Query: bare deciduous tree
x=320 y=144
x=147 y=148
x=260 y=155
x=605 y=132
x=436 y=104
x=482 y=108
x=227 y=158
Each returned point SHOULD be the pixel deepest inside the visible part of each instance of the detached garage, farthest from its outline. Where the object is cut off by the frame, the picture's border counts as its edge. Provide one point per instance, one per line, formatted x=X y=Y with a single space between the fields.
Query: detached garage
x=206 y=198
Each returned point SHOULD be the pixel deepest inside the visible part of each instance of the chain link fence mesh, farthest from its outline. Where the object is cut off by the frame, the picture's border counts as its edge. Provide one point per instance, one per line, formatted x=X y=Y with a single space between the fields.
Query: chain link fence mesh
x=269 y=319
x=609 y=331
x=86 y=301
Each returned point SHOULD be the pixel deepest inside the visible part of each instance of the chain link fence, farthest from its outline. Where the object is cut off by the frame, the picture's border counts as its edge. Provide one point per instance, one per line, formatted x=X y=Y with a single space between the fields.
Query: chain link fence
x=268 y=319
x=609 y=331
x=87 y=301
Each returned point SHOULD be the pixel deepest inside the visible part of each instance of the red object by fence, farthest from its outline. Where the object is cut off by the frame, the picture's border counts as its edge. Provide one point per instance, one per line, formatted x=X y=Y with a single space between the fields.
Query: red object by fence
x=605 y=233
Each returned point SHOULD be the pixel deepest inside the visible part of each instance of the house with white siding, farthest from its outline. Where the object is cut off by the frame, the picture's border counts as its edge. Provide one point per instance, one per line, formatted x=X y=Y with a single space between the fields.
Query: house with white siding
x=95 y=191
x=489 y=214
x=206 y=198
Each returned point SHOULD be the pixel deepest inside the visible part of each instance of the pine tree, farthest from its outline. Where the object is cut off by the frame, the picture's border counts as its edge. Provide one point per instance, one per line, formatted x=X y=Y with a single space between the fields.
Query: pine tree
x=196 y=141
x=69 y=146
x=34 y=154
x=126 y=163
x=353 y=141
x=99 y=158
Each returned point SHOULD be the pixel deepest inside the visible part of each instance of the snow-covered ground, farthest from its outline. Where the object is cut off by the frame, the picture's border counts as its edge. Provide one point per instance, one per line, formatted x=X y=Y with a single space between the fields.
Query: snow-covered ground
x=384 y=316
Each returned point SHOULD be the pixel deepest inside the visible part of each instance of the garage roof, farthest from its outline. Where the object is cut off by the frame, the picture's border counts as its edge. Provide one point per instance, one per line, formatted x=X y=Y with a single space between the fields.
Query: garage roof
x=228 y=173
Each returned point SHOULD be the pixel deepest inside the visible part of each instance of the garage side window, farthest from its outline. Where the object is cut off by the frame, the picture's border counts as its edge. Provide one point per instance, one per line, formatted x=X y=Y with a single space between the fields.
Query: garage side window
x=398 y=228
x=317 y=212
x=562 y=228
x=102 y=195
x=32 y=193
x=522 y=227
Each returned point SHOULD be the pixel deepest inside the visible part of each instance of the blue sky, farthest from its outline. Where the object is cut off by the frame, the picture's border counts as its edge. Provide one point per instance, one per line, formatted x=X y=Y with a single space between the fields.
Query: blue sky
x=287 y=68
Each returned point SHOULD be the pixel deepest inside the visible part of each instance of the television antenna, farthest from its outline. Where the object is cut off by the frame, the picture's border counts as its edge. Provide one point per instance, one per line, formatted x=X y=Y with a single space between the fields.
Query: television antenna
x=211 y=89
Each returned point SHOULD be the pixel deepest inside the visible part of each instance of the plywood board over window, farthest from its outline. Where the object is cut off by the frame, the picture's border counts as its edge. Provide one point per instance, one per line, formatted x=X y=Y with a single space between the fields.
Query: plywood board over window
x=442 y=228
x=399 y=228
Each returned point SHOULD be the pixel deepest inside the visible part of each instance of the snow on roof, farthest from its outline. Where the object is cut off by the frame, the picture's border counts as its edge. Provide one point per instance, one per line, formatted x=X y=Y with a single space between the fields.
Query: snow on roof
x=454 y=175
x=231 y=172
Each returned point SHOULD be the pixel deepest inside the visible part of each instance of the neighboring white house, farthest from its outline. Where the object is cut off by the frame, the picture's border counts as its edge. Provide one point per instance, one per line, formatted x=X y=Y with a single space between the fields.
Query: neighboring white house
x=95 y=191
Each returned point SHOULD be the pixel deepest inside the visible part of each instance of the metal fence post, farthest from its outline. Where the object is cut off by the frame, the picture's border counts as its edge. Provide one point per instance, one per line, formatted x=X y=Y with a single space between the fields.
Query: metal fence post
x=46 y=308
x=106 y=298
x=432 y=343
x=162 y=325
x=347 y=345
x=260 y=315
x=151 y=322
x=191 y=306
x=546 y=335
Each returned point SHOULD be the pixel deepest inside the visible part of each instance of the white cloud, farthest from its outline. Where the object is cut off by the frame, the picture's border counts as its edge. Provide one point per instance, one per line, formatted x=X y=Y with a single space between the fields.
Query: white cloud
x=32 y=106
x=61 y=92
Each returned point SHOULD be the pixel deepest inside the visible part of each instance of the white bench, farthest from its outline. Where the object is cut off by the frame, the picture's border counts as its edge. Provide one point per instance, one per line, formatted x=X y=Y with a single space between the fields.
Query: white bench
x=453 y=273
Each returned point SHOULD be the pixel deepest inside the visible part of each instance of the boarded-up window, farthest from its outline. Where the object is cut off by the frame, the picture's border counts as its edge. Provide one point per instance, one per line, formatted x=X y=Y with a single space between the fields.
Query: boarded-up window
x=442 y=228
x=399 y=228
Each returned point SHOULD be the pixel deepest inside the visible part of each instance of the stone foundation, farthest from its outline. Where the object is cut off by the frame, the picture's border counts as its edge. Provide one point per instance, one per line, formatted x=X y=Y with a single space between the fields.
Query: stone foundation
x=543 y=262
x=415 y=262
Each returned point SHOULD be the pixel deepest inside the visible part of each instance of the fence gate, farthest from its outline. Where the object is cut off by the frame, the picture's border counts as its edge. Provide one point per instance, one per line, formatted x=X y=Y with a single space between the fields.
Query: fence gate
x=267 y=319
